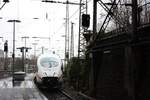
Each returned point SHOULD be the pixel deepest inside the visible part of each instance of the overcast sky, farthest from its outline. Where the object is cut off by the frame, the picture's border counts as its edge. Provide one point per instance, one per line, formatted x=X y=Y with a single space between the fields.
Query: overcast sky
x=50 y=23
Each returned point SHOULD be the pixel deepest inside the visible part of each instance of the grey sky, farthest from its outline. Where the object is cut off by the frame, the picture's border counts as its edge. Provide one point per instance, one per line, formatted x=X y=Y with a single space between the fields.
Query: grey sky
x=52 y=26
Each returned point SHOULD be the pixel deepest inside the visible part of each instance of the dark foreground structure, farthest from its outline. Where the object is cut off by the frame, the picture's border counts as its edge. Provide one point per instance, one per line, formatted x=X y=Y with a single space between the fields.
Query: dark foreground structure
x=121 y=60
x=121 y=67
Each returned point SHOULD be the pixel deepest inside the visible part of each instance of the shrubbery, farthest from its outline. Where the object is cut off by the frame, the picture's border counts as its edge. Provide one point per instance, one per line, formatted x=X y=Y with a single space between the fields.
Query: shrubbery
x=77 y=73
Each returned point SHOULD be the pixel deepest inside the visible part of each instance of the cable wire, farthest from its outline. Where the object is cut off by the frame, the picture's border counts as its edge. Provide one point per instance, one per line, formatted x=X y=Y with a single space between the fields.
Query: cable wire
x=3 y=5
x=70 y=17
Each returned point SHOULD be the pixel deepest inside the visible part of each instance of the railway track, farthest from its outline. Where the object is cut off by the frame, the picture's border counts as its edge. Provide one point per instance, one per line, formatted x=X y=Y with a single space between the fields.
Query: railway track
x=66 y=94
x=56 y=94
x=60 y=94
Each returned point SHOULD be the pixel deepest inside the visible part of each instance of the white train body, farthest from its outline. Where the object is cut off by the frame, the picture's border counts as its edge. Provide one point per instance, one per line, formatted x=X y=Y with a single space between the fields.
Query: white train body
x=49 y=70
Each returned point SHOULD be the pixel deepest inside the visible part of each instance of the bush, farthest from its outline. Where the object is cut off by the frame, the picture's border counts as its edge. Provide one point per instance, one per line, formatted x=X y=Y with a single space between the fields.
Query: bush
x=77 y=73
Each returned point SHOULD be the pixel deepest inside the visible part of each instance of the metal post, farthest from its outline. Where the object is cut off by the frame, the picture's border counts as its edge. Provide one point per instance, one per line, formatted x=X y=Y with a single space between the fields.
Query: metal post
x=42 y=50
x=94 y=18
x=132 y=53
x=23 y=57
x=67 y=32
x=81 y=40
x=79 y=29
x=93 y=70
x=25 y=37
x=13 y=54
x=25 y=51
x=72 y=41
x=86 y=6
x=134 y=17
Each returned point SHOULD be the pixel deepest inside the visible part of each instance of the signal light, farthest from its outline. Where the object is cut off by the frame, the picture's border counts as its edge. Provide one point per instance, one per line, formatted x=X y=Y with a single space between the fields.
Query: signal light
x=86 y=20
x=21 y=50
x=26 y=50
x=5 y=0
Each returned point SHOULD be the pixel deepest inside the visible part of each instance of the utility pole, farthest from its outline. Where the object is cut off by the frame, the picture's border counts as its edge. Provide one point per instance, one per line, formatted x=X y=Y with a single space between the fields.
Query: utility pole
x=72 y=41
x=94 y=18
x=92 y=81
x=132 y=50
x=67 y=32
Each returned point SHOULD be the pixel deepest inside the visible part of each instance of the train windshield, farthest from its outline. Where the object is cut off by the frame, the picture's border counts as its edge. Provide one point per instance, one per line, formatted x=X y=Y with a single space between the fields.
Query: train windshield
x=49 y=62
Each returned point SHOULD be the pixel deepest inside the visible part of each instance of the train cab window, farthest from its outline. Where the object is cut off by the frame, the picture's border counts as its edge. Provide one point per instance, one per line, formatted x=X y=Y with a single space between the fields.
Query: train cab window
x=48 y=62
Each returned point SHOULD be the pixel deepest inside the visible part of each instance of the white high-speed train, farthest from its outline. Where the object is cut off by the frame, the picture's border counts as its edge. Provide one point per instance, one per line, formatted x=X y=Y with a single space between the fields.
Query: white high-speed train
x=49 y=71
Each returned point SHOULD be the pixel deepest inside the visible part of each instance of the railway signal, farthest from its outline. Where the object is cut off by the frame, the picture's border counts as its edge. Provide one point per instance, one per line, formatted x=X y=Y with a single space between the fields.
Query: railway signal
x=86 y=20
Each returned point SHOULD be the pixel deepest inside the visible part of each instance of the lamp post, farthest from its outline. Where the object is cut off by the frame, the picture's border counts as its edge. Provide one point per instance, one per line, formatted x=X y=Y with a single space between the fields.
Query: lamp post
x=13 y=54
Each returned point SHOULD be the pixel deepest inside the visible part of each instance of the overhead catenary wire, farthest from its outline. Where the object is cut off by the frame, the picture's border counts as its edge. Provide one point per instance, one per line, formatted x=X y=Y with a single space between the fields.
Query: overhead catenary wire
x=70 y=17
x=62 y=25
x=3 y=5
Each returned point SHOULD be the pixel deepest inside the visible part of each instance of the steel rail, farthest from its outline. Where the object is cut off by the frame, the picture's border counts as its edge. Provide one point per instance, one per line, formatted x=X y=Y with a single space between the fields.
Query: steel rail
x=66 y=94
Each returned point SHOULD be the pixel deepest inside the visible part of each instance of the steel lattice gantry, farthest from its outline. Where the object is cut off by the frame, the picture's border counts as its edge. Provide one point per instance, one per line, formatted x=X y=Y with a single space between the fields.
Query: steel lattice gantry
x=118 y=12
x=82 y=30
